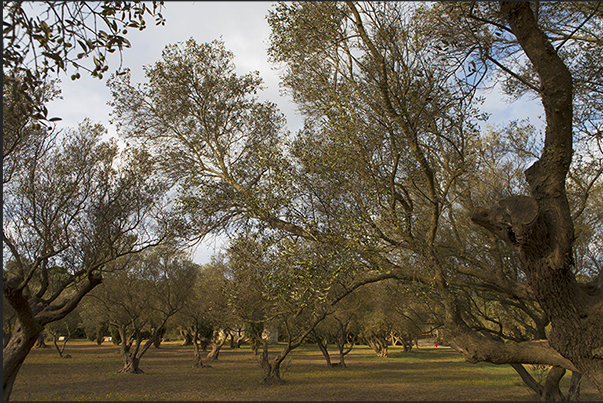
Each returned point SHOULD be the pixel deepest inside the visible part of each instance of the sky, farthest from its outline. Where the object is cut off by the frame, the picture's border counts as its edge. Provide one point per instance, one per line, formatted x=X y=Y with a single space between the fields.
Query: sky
x=244 y=29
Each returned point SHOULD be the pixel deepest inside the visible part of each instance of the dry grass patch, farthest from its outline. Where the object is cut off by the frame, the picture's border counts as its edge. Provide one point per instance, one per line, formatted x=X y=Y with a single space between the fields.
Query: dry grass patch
x=424 y=374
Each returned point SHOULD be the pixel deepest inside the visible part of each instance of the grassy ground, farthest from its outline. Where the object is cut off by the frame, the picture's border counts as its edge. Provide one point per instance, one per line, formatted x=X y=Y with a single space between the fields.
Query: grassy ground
x=424 y=374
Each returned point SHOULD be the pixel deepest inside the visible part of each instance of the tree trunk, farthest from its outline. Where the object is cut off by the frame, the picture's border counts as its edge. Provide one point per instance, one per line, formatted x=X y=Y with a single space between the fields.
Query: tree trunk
x=254 y=335
x=407 y=343
x=131 y=365
x=541 y=227
x=237 y=340
x=343 y=339
x=21 y=342
x=322 y=346
x=272 y=369
x=187 y=337
x=99 y=339
x=131 y=360
x=378 y=344
x=40 y=342
x=550 y=390
x=29 y=327
x=343 y=352
x=197 y=352
x=158 y=337
x=60 y=350
x=573 y=393
x=216 y=346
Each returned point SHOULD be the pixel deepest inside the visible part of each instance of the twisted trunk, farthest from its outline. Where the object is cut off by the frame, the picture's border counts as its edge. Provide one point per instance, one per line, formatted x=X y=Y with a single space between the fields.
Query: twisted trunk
x=132 y=348
x=197 y=352
x=216 y=346
x=29 y=325
x=186 y=336
x=378 y=344
x=271 y=369
x=540 y=227
x=550 y=390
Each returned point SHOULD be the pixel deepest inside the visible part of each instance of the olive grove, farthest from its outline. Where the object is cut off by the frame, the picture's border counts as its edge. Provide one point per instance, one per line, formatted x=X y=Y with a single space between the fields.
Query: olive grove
x=394 y=165
x=69 y=206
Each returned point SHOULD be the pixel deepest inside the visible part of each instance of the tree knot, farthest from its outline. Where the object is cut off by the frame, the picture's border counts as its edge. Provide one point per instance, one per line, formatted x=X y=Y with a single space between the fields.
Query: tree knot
x=512 y=219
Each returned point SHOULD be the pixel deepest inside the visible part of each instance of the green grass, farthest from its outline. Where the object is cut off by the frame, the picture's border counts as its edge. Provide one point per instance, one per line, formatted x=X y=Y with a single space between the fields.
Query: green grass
x=423 y=374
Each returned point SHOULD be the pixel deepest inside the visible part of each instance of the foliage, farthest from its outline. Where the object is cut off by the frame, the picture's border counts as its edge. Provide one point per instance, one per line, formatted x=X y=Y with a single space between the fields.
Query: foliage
x=213 y=136
x=141 y=295
x=385 y=177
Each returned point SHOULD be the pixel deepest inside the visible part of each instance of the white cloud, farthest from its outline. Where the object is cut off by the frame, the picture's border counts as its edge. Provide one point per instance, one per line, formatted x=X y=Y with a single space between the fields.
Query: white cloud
x=502 y=111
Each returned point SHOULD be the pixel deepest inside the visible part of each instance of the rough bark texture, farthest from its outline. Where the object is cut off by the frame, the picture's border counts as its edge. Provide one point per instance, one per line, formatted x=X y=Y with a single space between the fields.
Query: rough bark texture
x=216 y=346
x=271 y=369
x=477 y=347
x=30 y=324
x=131 y=361
x=378 y=344
x=550 y=389
x=574 y=388
x=547 y=233
x=21 y=342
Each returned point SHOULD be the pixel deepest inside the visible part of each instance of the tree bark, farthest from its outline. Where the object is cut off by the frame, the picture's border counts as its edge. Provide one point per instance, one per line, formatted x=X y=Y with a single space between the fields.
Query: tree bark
x=573 y=392
x=549 y=391
x=343 y=339
x=378 y=344
x=21 y=342
x=187 y=337
x=343 y=352
x=541 y=227
x=271 y=369
x=198 y=363
x=130 y=357
x=322 y=346
x=216 y=346
x=29 y=326
x=41 y=343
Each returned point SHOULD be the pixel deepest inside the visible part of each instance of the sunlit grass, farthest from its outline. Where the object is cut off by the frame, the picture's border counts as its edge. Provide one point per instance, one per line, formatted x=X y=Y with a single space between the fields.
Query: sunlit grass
x=423 y=374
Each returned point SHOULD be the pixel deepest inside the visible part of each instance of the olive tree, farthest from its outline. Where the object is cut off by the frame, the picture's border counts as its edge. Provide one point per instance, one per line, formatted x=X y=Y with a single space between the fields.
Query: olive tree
x=382 y=168
x=141 y=295
x=400 y=113
x=77 y=205
x=40 y=38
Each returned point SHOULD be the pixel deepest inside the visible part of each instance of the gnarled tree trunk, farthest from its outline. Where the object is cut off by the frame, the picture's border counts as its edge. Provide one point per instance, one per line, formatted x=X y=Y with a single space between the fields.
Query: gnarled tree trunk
x=216 y=346
x=378 y=344
x=550 y=390
x=129 y=355
x=540 y=226
x=187 y=337
x=271 y=369
x=21 y=342
x=30 y=324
